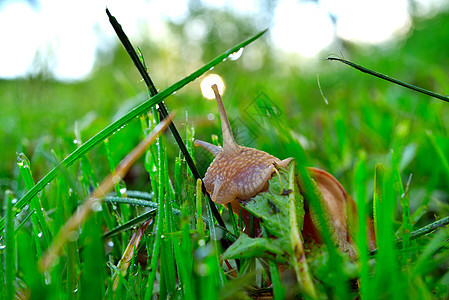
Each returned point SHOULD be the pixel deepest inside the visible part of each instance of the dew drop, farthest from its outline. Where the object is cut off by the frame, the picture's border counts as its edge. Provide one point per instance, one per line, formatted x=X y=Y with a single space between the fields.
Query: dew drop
x=236 y=55
x=39 y=234
x=123 y=190
x=75 y=141
x=96 y=206
x=111 y=244
x=13 y=201
x=211 y=117
x=2 y=247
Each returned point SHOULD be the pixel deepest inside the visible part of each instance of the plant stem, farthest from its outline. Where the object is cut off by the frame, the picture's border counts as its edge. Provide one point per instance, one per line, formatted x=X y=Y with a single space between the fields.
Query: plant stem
x=390 y=79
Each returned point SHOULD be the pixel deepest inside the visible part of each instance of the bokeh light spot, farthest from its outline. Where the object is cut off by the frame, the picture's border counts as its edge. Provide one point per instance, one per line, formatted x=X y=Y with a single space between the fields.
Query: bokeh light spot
x=208 y=81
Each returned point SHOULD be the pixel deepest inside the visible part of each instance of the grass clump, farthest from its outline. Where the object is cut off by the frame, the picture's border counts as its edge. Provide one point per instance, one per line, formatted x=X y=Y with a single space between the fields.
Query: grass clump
x=161 y=239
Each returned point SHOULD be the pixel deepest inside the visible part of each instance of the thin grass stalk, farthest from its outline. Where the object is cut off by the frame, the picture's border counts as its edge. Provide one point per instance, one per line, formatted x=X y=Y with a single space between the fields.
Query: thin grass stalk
x=154 y=255
x=388 y=279
x=298 y=260
x=112 y=167
x=129 y=254
x=187 y=260
x=390 y=79
x=10 y=245
x=38 y=217
x=235 y=228
x=405 y=205
x=441 y=155
x=278 y=288
x=216 y=264
x=167 y=241
x=360 y=183
x=199 y=210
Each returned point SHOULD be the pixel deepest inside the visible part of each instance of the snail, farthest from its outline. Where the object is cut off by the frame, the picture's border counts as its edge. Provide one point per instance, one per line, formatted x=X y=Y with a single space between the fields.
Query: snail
x=239 y=173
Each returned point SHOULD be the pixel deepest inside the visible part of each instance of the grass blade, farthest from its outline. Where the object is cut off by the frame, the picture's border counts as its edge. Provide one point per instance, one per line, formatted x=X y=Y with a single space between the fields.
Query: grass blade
x=390 y=79
x=10 y=247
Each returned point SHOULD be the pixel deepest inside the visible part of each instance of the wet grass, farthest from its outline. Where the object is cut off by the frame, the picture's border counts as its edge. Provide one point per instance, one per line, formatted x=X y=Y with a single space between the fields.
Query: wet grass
x=371 y=135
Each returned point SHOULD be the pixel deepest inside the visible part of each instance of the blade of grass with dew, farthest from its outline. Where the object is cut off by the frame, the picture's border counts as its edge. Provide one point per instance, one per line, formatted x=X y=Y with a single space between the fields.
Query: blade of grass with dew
x=235 y=228
x=199 y=210
x=38 y=218
x=159 y=227
x=131 y=115
x=387 y=78
x=190 y=184
x=124 y=209
x=187 y=258
x=24 y=221
x=183 y=255
x=405 y=204
x=178 y=180
x=360 y=183
x=119 y=185
x=388 y=278
x=131 y=223
x=155 y=252
x=214 y=264
x=10 y=245
x=112 y=166
x=132 y=201
x=92 y=277
x=379 y=174
x=167 y=241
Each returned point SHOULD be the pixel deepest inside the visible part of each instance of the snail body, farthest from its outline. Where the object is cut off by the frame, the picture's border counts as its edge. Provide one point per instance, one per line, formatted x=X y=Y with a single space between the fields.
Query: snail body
x=239 y=173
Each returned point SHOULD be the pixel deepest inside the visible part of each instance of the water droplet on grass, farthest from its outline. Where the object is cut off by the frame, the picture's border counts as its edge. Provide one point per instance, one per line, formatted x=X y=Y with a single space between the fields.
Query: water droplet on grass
x=39 y=234
x=236 y=55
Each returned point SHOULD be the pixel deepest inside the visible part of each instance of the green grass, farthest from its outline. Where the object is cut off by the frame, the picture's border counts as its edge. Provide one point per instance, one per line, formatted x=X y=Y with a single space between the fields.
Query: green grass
x=372 y=136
